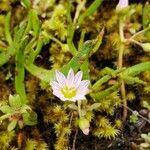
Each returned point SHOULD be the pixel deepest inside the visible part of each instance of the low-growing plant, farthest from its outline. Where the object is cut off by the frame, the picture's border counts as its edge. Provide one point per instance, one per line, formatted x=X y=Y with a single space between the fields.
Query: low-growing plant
x=75 y=67
x=17 y=113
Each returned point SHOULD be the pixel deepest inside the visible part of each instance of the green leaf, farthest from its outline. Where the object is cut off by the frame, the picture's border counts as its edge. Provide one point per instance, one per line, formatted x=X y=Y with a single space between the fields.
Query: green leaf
x=24 y=109
x=94 y=106
x=30 y=118
x=138 y=68
x=15 y=101
x=73 y=106
x=79 y=59
x=19 y=34
x=85 y=69
x=35 y=21
x=19 y=77
x=132 y=80
x=74 y=63
x=146 y=105
x=6 y=109
x=98 y=96
x=3 y=117
x=89 y=11
x=26 y=3
x=12 y=125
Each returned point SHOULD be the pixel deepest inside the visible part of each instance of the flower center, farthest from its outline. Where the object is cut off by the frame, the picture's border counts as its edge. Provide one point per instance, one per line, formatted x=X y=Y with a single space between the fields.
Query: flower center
x=68 y=92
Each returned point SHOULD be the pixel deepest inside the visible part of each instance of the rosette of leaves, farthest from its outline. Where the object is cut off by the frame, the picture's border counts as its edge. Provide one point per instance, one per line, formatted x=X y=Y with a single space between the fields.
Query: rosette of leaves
x=17 y=113
x=146 y=144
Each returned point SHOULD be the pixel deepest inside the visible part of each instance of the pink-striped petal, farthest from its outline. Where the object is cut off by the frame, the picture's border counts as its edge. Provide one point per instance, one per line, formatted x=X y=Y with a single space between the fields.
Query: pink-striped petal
x=55 y=85
x=70 y=78
x=60 y=78
x=84 y=84
x=77 y=78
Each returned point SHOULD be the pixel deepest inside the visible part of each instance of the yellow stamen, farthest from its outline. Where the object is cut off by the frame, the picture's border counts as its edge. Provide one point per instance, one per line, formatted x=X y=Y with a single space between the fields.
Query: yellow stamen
x=68 y=92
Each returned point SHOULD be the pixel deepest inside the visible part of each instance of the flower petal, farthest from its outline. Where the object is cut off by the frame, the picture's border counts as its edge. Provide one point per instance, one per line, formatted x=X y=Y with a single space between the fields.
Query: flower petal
x=70 y=78
x=77 y=78
x=84 y=84
x=55 y=85
x=60 y=78
x=59 y=95
x=81 y=91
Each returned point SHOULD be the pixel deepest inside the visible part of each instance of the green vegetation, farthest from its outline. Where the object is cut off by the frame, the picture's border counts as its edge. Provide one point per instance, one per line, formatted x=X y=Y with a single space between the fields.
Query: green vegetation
x=110 y=46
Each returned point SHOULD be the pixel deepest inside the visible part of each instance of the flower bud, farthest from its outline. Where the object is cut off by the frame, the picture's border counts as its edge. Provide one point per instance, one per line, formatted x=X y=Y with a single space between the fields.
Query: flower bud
x=84 y=125
x=146 y=47
x=122 y=4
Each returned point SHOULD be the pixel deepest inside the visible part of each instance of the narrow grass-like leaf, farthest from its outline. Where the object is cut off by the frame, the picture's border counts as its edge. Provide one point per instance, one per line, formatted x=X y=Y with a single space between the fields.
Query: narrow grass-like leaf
x=75 y=63
x=20 y=73
x=7 y=28
x=100 y=95
x=90 y=10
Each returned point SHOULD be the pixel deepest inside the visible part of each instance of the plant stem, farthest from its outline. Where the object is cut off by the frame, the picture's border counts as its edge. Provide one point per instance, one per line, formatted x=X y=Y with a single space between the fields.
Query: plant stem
x=140 y=32
x=134 y=41
x=74 y=140
x=80 y=6
x=147 y=120
x=123 y=93
x=120 y=56
x=120 y=64
x=79 y=108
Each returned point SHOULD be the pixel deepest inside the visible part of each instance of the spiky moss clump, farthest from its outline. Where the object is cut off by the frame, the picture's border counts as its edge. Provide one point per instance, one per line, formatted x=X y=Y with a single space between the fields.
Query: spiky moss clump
x=58 y=57
x=147 y=89
x=111 y=42
x=105 y=129
x=63 y=131
x=5 y=139
x=59 y=117
x=130 y=96
x=56 y=25
x=44 y=7
x=55 y=113
x=5 y=89
x=32 y=86
x=5 y=5
x=32 y=144
x=110 y=103
x=94 y=71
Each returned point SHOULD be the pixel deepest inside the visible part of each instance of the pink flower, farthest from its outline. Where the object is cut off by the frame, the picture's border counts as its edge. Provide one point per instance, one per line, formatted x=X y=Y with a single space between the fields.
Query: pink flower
x=122 y=4
x=70 y=88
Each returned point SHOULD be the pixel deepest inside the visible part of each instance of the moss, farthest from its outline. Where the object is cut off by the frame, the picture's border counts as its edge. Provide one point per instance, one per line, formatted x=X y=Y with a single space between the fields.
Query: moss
x=48 y=41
